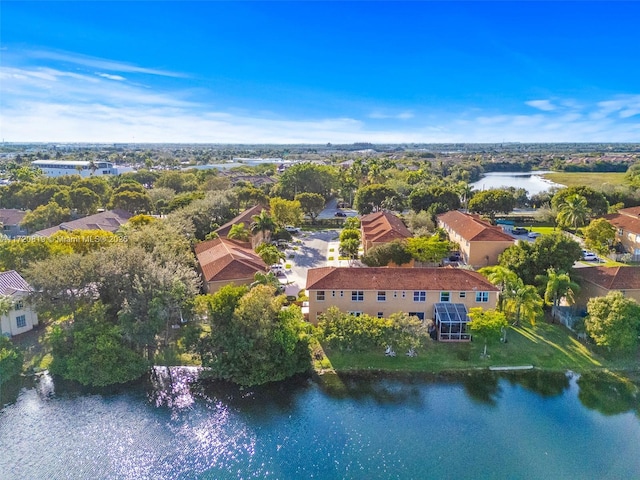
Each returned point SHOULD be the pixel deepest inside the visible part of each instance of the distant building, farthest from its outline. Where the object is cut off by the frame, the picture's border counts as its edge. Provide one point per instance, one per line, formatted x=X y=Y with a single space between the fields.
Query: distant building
x=480 y=242
x=58 y=168
x=109 y=221
x=21 y=318
x=10 y=219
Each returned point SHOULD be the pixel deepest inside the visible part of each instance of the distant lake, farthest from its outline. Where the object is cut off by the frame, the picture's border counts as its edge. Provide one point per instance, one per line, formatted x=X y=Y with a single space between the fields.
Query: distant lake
x=482 y=425
x=532 y=182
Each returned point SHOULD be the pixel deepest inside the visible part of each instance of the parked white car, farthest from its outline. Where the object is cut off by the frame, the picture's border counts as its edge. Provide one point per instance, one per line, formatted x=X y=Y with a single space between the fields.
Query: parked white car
x=589 y=256
x=534 y=234
x=292 y=229
x=277 y=269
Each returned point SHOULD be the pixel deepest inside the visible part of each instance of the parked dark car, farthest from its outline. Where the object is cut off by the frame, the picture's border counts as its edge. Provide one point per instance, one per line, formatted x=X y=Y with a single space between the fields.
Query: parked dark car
x=454 y=257
x=340 y=214
x=519 y=231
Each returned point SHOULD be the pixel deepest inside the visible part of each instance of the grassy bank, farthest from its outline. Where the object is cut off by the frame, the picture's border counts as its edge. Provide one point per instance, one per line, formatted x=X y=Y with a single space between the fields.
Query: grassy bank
x=545 y=346
x=572 y=179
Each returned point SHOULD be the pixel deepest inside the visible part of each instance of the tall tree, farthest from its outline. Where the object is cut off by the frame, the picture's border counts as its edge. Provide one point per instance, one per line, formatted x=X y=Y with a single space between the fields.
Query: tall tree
x=263 y=222
x=599 y=236
x=372 y=198
x=45 y=216
x=572 y=212
x=501 y=277
x=596 y=201
x=523 y=301
x=311 y=203
x=491 y=202
x=558 y=285
x=614 y=322
x=428 y=249
x=306 y=177
x=286 y=212
x=239 y=232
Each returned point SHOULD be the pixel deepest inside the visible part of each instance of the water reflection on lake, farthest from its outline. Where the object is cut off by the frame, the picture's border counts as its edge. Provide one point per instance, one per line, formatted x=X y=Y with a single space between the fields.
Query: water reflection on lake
x=532 y=182
x=476 y=425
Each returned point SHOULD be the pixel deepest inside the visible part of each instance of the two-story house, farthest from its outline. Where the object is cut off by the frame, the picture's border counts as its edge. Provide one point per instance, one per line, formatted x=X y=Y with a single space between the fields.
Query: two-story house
x=627 y=223
x=21 y=317
x=441 y=294
x=480 y=242
x=381 y=227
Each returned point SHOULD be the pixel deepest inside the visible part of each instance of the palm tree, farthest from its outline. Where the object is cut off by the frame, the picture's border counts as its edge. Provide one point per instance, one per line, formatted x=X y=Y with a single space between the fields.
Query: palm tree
x=558 y=285
x=523 y=301
x=263 y=222
x=501 y=277
x=238 y=232
x=573 y=212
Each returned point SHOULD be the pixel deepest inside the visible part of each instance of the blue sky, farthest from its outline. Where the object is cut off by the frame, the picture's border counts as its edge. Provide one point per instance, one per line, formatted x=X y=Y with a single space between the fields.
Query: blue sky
x=318 y=72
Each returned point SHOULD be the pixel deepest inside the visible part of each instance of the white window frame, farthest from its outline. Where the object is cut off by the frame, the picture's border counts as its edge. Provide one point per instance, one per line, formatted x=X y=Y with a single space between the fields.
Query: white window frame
x=420 y=296
x=357 y=295
x=448 y=298
x=382 y=296
x=320 y=295
x=482 y=297
x=21 y=319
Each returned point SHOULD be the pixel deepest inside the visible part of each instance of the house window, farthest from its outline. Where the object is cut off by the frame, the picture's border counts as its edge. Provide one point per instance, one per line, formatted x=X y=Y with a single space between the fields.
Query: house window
x=420 y=296
x=355 y=313
x=620 y=231
x=463 y=294
x=320 y=295
x=445 y=297
x=19 y=305
x=380 y=314
x=382 y=296
x=419 y=315
x=21 y=321
x=482 y=297
x=357 y=296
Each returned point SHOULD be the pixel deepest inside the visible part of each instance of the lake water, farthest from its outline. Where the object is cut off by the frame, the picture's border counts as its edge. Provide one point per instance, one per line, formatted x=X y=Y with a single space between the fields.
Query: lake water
x=532 y=182
x=480 y=426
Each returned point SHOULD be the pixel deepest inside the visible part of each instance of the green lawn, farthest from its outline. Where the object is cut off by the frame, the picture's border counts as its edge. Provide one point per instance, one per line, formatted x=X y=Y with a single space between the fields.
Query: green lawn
x=572 y=179
x=546 y=346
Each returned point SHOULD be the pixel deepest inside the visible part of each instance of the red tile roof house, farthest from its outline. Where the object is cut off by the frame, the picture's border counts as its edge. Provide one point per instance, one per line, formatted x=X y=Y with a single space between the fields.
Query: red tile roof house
x=480 y=242
x=598 y=281
x=441 y=294
x=245 y=217
x=627 y=223
x=109 y=221
x=224 y=261
x=381 y=227
x=21 y=318
x=10 y=219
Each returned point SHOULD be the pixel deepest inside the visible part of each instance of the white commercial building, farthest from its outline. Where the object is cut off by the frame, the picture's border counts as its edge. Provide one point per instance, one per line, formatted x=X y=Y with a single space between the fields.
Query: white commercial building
x=58 y=168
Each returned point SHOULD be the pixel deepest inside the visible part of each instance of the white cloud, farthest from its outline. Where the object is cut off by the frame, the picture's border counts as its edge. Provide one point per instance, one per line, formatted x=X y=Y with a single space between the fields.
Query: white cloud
x=377 y=115
x=544 y=105
x=95 y=62
x=111 y=77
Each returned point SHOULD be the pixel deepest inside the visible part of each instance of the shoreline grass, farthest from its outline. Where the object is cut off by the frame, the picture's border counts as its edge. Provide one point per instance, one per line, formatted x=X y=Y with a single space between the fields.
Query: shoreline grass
x=573 y=179
x=544 y=346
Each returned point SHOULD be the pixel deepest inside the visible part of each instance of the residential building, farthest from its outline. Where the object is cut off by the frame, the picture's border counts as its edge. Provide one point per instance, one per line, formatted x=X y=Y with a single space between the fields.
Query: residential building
x=598 y=281
x=224 y=261
x=246 y=217
x=381 y=227
x=21 y=318
x=480 y=242
x=627 y=223
x=10 y=219
x=109 y=221
x=441 y=294
x=58 y=168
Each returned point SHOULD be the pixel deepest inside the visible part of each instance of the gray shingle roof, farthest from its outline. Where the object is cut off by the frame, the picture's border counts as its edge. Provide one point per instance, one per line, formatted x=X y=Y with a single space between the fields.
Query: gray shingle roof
x=11 y=282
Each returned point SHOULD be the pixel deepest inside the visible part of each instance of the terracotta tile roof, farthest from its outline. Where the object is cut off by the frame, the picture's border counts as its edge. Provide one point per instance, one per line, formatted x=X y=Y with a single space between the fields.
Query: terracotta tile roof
x=245 y=217
x=11 y=216
x=383 y=227
x=628 y=219
x=473 y=228
x=11 y=282
x=110 y=221
x=392 y=278
x=225 y=259
x=611 y=278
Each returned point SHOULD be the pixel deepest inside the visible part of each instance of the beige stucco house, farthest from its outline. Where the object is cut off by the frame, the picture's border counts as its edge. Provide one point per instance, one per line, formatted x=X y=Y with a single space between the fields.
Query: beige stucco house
x=21 y=318
x=480 y=242
x=598 y=281
x=224 y=261
x=441 y=294
x=627 y=223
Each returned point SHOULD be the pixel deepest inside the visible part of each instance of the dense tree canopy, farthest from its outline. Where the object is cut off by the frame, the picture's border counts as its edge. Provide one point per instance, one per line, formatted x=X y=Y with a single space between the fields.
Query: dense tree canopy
x=597 y=204
x=491 y=202
x=306 y=177
x=614 y=322
x=311 y=203
x=599 y=236
x=10 y=359
x=386 y=254
x=285 y=212
x=372 y=198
